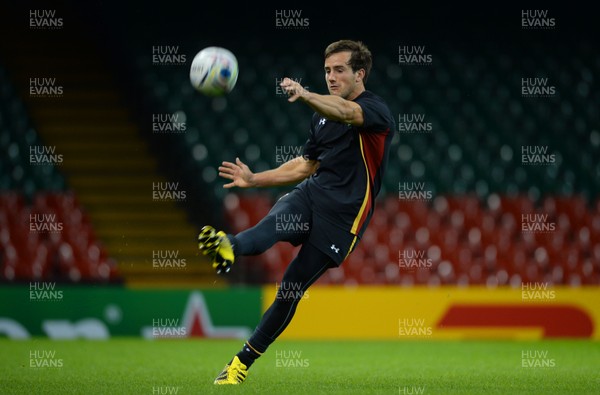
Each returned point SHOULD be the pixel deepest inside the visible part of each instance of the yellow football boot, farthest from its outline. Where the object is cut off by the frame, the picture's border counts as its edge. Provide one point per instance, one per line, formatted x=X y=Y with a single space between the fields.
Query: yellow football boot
x=218 y=247
x=234 y=372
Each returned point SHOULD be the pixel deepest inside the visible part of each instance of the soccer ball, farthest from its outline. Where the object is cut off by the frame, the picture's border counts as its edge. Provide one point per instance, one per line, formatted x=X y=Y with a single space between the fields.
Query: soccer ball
x=214 y=71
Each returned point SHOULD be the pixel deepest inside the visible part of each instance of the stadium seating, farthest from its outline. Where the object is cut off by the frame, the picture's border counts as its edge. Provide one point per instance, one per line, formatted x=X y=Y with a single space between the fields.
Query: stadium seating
x=479 y=122
x=17 y=135
x=470 y=161
x=45 y=234
x=462 y=240
x=108 y=164
x=50 y=239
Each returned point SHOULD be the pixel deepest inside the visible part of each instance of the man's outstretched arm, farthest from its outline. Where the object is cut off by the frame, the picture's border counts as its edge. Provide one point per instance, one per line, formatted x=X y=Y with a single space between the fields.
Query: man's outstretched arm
x=291 y=172
x=331 y=107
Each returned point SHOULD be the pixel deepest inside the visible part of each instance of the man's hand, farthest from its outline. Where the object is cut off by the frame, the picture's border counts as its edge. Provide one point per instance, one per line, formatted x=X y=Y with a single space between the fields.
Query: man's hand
x=293 y=89
x=238 y=172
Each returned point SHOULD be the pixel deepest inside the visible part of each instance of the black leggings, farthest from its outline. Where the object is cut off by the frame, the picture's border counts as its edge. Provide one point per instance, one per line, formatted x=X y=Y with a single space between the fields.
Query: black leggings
x=301 y=273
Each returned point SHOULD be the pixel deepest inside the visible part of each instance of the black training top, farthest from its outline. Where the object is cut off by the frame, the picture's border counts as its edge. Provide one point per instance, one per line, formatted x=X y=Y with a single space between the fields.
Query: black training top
x=352 y=163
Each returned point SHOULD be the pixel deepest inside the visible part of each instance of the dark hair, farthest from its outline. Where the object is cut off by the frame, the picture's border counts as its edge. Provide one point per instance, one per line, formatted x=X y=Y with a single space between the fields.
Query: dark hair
x=360 y=57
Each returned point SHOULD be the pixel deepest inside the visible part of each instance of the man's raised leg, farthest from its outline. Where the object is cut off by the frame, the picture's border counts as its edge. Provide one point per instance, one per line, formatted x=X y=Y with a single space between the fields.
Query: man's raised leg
x=223 y=248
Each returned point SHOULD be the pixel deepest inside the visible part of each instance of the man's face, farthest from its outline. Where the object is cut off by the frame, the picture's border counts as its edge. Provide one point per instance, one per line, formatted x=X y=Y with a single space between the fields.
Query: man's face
x=341 y=80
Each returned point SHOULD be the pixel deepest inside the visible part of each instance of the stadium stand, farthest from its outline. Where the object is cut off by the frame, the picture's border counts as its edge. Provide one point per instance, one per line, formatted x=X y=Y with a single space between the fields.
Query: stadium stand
x=44 y=232
x=458 y=240
x=112 y=228
x=470 y=231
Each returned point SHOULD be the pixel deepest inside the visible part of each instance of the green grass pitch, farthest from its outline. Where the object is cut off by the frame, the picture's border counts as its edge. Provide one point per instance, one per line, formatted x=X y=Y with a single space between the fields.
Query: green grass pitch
x=135 y=366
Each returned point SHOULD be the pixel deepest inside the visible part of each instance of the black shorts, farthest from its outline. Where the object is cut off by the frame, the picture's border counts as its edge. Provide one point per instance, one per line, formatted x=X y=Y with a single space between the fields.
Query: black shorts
x=296 y=222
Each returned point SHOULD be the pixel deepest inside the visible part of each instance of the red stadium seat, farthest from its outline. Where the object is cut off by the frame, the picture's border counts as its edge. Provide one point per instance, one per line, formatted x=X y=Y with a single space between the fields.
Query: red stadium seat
x=66 y=250
x=474 y=242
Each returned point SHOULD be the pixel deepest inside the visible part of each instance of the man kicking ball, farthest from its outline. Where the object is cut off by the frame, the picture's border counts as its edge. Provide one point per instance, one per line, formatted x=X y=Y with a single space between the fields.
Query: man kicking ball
x=339 y=176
